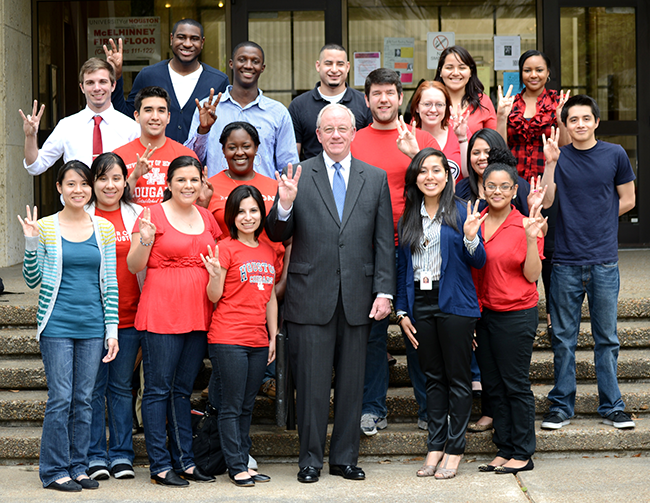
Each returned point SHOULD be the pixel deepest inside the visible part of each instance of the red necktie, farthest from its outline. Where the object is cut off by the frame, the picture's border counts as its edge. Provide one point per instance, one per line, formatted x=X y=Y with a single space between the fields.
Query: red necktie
x=97 y=137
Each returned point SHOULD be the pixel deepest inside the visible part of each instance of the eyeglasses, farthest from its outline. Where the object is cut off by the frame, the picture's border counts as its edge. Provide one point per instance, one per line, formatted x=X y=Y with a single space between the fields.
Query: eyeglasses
x=504 y=187
x=328 y=130
x=428 y=104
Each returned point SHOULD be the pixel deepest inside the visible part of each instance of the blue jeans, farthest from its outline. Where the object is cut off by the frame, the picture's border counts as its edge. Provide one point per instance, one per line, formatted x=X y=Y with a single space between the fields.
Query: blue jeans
x=569 y=284
x=70 y=368
x=237 y=373
x=113 y=390
x=375 y=385
x=171 y=364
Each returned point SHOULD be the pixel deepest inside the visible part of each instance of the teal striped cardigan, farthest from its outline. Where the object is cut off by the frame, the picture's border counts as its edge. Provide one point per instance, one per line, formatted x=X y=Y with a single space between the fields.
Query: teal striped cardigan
x=44 y=263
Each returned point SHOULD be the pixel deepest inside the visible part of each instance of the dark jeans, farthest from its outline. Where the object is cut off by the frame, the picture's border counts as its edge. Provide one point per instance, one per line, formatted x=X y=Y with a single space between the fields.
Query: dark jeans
x=505 y=345
x=171 y=364
x=445 y=354
x=237 y=373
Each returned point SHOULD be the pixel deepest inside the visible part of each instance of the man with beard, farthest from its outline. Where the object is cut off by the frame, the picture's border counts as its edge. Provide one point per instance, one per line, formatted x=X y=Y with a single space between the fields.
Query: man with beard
x=184 y=77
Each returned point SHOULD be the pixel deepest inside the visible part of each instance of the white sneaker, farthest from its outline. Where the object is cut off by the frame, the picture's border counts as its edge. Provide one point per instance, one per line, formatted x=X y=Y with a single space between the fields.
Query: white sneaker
x=619 y=419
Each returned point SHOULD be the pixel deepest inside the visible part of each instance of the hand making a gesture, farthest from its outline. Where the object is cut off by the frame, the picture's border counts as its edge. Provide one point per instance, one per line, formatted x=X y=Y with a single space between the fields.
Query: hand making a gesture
x=551 y=149
x=288 y=186
x=211 y=262
x=458 y=121
x=30 y=225
x=407 y=142
x=115 y=56
x=143 y=164
x=535 y=223
x=32 y=121
x=536 y=193
x=504 y=107
x=146 y=227
x=562 y=99
x=207 y=112
x=473 y=221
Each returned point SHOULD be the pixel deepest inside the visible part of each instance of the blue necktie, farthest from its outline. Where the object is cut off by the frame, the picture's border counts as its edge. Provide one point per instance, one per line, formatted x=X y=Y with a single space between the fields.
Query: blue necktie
x=338 y=187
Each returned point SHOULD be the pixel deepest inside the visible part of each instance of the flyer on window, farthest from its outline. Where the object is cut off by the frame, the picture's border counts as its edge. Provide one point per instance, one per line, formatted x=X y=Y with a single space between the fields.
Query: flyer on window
x=398 y=56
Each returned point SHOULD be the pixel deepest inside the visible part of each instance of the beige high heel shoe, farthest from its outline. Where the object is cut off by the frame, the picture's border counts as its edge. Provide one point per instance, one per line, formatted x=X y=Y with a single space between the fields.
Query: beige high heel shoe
x=447 y=473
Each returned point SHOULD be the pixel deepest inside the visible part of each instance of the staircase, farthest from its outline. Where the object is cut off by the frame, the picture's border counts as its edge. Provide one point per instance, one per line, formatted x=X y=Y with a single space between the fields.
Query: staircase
x=23 y=391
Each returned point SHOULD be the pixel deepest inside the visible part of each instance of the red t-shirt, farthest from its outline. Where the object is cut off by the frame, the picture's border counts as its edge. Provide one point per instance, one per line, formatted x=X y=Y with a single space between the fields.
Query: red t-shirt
x=127 y=283
x=240 y=315
x=378 y=147
x=501 y=284
x=174 y=298
x=482 y=117
x=150 y=187
x=223 y=185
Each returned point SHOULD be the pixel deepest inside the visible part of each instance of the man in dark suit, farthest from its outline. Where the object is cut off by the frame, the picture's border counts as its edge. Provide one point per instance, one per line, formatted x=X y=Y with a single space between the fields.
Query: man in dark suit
x=341 y=277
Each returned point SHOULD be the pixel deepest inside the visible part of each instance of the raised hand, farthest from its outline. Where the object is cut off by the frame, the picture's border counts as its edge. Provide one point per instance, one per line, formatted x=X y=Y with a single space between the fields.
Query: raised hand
x=143 y=165
x=407 y=142
x=473 y=221
x=535 y=223
x=30 y=225
x=288 y=186
x=562 y=99
x=211 y=262
x=146 y=227
x=536 y=193
x=458 y=121
x=115 y=56
x=31 y=122
x=551 y=149
x=207 y=112
x=504 y=107
x=206 y=190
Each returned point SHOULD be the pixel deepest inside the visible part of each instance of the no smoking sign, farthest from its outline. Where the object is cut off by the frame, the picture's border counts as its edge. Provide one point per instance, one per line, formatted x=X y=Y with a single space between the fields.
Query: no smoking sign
x=438 y=41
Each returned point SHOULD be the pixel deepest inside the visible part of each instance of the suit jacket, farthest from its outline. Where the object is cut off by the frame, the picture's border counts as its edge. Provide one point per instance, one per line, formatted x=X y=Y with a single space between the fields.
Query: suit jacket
x=354 y=257
x=457 y=293
x=158 y=75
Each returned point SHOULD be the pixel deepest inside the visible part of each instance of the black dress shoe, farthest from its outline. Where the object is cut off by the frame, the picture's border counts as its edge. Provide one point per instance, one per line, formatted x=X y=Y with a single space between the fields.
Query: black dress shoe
x=171 y=479
x=349 y=472
x=506 y=469
x=88 y=483
x=249 y=482
x=261 y=478
x=308 y=474
x=197 y=476
x=69 y=486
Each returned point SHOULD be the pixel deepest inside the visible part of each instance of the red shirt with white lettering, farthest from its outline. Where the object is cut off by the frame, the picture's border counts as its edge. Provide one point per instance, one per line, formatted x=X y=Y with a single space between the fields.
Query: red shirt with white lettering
x=240 y=316
x=150 y=187
x=127 y=283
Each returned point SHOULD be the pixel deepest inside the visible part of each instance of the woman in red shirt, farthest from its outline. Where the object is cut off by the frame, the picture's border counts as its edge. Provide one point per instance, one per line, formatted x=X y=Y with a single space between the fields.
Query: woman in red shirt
x=430 y=109
x=242 y=277
x=457 y=71
x=174 y=313
x=508 y=297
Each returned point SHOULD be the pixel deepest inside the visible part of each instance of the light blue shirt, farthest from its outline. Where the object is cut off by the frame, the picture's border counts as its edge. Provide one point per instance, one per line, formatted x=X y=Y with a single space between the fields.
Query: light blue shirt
x=274 y=126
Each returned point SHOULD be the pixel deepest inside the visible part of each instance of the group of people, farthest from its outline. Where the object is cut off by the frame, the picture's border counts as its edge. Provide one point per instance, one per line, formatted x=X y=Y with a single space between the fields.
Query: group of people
x=204 y=242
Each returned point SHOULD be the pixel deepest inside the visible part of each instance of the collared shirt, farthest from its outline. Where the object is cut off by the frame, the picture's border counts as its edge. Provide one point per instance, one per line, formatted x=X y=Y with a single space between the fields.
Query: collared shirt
x=72 y=138
x=273 y=122
x=345 y=168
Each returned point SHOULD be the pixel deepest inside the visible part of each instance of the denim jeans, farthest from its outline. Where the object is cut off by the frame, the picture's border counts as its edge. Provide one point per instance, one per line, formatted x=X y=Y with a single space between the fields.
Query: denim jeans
x=375 y=385
x=171 y=364
x=237 y=373
x=569 y=284
x=70 y=368
x=113 y=390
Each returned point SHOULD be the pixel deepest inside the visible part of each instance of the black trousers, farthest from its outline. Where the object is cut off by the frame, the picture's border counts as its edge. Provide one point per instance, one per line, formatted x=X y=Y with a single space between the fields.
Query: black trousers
x=313 y=351
x=505 y=345
x=445 y=355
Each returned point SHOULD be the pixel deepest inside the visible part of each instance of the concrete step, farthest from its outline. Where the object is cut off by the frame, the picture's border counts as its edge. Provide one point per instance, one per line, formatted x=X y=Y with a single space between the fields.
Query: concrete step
x=18 y=444
x=17 y=341
x=633 y=333
x=22 y=373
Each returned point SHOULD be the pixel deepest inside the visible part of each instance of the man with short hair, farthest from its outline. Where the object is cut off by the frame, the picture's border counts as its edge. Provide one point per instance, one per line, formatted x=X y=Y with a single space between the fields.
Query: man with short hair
x=184 y=77
x=147 y=158
x=341 y=276
x=594 y=184
x=332 y=67
x=98 y=128
x=244 y=101
x=378 y=145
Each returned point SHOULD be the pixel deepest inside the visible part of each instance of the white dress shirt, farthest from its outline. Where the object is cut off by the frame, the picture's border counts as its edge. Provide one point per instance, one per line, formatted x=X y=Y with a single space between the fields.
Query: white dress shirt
x=72 y=138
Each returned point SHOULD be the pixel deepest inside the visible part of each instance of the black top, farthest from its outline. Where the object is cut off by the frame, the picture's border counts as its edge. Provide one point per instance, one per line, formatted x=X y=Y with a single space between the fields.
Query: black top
x=304 y=110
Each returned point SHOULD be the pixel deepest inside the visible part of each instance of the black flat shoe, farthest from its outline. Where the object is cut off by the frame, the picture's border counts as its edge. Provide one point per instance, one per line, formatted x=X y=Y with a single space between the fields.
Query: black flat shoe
x=249 y=482
x=197 y=476
x=308 y=474
x=171 y=479
x=88 y=483
x=70 y=486
x=506 y=469
x=485 y=467
x=261 y=478
x=349 y=472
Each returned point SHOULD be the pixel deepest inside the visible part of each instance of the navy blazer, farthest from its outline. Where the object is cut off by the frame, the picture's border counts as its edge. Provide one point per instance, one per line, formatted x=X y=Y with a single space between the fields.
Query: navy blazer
x=457 y=291
x=180 y=119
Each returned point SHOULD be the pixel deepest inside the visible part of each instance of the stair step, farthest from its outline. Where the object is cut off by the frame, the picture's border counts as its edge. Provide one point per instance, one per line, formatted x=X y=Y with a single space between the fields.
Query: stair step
x=22 y=373
x=19 y=341
x=399 y=439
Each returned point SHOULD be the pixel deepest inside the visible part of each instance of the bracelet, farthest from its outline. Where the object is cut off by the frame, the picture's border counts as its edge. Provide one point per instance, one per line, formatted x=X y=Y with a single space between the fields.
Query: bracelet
x=145 y=244
x=400 y=317
x=462 y=141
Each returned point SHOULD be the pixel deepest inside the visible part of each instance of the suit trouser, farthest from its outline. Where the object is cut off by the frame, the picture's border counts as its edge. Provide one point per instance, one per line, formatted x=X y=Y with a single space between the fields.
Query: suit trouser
x=313 y=351
x=445 y=354
x=505 y=345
